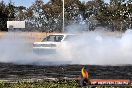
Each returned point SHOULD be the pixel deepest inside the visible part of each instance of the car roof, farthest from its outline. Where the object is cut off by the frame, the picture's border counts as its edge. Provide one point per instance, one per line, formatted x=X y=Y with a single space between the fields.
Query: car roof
x=62 y=34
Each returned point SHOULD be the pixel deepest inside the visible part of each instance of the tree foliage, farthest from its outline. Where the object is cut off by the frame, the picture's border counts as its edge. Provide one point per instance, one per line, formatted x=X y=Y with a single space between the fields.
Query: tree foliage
x=48 y=17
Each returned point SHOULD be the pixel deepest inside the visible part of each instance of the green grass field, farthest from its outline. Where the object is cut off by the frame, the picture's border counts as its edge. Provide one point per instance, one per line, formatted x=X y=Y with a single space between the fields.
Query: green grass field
x=49 y=84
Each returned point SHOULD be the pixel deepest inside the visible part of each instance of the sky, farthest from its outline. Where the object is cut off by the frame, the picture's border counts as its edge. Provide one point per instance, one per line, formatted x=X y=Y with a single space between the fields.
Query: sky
x=28 y=3
x=107 y=1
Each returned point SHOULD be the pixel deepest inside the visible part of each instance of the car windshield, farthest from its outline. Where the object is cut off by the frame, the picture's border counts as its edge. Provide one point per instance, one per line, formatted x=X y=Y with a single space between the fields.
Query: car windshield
x=53 y=38
x=70 y=37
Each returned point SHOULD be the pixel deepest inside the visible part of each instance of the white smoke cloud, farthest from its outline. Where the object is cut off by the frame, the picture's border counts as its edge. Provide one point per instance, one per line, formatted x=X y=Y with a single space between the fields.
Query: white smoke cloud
x=15 y=48
x=101 y=48
x=93 y=47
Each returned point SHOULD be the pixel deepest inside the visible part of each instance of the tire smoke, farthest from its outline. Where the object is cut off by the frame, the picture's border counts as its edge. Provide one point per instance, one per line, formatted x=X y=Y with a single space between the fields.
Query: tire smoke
x=99 y=47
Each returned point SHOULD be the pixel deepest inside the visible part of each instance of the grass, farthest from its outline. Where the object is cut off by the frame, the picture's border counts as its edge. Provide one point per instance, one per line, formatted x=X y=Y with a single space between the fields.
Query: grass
x=49 y=84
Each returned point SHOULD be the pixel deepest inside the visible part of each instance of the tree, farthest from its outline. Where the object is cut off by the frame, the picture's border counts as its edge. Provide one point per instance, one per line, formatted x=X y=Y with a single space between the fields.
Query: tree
x=38 y=17
x=3 y=16
x=49 y=17
x=55 y=14
x=71 y=9
x=20 y=13
x=11 y=10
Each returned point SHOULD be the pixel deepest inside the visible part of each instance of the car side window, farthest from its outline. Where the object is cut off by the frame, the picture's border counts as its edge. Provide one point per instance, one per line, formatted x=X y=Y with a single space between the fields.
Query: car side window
x=58 y=38
x=53 y=38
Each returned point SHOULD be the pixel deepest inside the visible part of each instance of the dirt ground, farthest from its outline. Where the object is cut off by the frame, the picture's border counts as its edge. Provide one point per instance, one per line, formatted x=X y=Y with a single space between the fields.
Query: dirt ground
x=13 y=71
x=30 y=36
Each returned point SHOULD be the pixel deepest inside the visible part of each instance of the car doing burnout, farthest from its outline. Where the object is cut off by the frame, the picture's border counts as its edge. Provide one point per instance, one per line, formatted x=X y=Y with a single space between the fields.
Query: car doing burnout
x=52 y=43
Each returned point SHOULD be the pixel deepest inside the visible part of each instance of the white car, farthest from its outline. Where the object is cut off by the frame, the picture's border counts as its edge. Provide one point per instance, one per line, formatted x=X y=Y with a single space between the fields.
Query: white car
x=52 y=43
